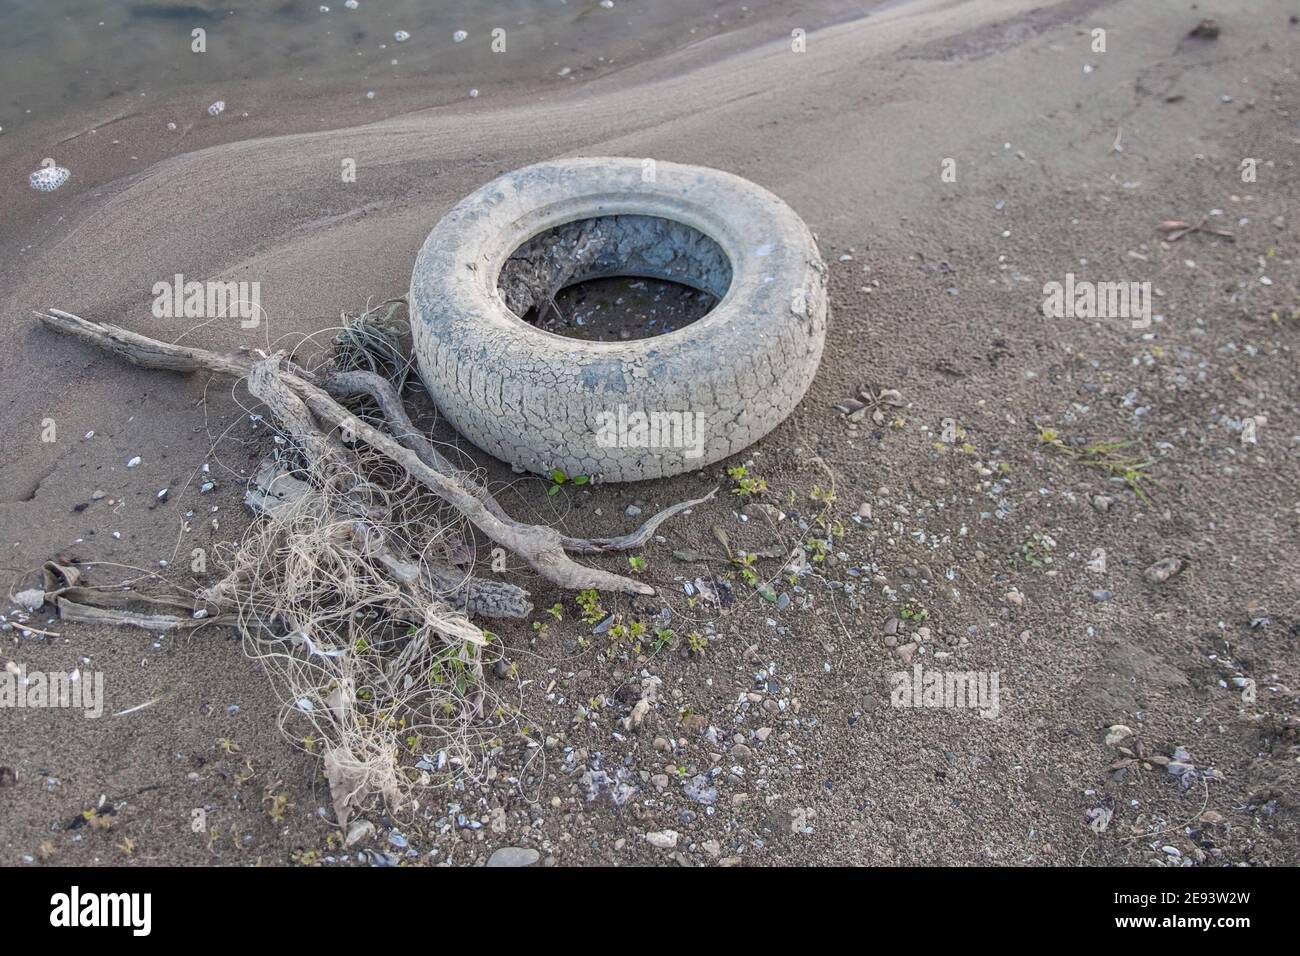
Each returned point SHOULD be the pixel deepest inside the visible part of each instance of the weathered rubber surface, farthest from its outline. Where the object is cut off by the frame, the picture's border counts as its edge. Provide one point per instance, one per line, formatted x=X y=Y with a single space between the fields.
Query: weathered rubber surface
x=542 y=401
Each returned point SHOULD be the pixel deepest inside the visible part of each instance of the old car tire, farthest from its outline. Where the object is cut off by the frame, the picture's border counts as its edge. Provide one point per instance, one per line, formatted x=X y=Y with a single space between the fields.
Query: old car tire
x=542 y=401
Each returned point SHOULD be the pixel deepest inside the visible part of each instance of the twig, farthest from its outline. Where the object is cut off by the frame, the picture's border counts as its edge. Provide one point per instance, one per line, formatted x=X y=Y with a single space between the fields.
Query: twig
x=1175 y=229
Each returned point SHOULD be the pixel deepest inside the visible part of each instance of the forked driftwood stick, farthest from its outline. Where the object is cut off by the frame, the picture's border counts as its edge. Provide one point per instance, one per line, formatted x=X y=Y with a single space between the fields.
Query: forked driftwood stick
x=543 y=548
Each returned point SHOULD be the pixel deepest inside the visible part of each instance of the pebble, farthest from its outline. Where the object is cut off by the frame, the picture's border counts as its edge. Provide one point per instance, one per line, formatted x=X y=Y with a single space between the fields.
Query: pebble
x=514 y=856
x=632 y=511
x=699 y=790
x=401 y=36
x=663 y=839
x=1163 y=570
x=1116 y=734
x=359 y=831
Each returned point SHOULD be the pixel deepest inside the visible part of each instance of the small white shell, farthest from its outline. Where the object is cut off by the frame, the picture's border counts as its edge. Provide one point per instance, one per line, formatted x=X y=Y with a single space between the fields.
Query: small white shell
x=48 y=178
x=217 y=107
x=460 y=36
x=401 y=36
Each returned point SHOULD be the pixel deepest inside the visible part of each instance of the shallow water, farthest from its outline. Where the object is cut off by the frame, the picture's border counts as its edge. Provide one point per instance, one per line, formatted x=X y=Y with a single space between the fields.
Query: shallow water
x=57 y=55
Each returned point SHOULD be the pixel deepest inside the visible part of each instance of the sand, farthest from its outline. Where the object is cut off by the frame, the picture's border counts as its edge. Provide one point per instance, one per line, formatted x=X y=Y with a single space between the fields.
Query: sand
x=940 y=299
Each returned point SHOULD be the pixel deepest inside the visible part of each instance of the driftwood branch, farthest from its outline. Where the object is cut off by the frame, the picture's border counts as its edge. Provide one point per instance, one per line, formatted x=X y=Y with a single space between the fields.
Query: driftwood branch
x=543 y=548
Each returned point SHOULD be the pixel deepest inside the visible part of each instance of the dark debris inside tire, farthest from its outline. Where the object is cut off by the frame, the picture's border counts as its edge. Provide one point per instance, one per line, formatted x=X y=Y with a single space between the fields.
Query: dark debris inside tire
x=621 y=308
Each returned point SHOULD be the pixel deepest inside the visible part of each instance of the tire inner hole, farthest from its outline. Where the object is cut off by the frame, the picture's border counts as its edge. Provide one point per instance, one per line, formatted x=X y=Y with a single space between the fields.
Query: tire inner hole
x=615 y=278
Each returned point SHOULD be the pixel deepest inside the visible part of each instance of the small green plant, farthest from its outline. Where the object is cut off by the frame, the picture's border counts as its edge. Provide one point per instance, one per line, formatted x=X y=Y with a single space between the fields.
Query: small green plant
x=697 y=642
x=556 y=611
x=449 y=668
x=279 y=805
x=913 y=611
x=745 y=561
x=746 y=485
x=1037 y=549
x=637 y=564
x=589 y=604
x=826 y=498
x=1108 y=457
x=664 y=637
x=558 y=477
